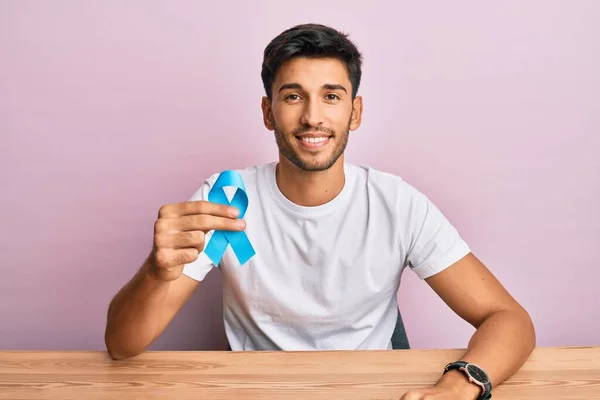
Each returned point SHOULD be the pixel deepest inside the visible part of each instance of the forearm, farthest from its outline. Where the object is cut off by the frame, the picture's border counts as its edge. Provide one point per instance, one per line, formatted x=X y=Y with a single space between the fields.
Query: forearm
x=500 y=346
x=133 y=320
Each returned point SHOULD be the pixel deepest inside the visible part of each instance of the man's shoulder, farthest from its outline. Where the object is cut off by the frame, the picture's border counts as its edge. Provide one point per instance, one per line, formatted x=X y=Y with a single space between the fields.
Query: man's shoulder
x=391 y=183
x=391 y=191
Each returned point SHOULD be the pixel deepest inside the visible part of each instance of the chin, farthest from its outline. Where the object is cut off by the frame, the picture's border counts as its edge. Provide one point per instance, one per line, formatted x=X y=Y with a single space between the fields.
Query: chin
x=315 y=167
x=312 y=165
x=307 y=160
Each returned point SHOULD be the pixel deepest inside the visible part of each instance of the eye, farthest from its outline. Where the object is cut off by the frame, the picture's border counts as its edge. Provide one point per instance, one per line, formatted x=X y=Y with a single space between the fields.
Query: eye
x=292 y=97
x=332 y=97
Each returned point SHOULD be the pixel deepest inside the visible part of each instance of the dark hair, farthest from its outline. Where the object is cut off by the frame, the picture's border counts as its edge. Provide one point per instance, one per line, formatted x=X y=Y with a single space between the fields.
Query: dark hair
x=313 y=41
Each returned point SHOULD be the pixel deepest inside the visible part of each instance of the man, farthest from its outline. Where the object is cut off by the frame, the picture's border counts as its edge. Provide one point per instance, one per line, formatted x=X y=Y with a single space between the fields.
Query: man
x=331 y=239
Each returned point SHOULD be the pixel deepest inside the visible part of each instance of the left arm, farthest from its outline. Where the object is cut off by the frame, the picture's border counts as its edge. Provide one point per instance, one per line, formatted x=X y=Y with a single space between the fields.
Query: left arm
x=504 y=336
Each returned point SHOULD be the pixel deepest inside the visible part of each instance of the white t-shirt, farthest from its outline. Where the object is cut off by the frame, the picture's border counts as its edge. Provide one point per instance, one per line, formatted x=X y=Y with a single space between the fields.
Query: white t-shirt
x=327 y=277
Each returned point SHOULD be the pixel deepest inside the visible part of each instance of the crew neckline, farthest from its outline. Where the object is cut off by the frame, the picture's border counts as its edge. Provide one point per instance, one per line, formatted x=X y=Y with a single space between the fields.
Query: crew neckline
x=308 y=211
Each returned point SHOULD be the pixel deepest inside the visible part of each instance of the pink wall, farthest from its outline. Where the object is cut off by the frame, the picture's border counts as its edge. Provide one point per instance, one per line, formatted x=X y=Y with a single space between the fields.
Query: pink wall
x=110 y=109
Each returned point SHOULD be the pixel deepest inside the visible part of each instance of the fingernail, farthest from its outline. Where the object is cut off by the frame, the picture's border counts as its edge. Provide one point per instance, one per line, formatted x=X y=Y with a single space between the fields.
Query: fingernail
x=234 y=211
x=241 y=224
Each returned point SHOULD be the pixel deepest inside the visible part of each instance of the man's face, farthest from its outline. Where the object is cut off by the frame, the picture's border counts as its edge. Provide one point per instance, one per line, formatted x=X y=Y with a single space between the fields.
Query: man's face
x=312 y=112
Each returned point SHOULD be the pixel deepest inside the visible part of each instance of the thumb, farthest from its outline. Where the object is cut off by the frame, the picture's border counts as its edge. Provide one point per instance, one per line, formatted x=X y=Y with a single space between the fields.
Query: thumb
x=412 y=395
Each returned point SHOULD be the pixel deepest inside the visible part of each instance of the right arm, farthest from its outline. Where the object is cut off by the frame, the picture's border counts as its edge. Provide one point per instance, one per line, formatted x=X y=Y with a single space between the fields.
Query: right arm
x=143 y=308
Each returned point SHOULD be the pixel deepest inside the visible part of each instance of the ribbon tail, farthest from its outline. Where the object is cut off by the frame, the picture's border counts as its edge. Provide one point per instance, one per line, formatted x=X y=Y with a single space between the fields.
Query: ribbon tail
x=216 y=247
x=241 y=246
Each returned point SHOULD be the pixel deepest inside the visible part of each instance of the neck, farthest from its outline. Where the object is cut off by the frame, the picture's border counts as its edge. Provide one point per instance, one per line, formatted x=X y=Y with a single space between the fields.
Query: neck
x=306 y=188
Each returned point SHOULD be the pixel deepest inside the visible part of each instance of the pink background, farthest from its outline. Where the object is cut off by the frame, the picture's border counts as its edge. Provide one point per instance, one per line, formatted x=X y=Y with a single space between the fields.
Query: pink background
x=110 y=109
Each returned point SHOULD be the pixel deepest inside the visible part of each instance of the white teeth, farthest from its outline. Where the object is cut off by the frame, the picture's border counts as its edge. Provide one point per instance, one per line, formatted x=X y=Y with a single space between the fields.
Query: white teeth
x=314 y=140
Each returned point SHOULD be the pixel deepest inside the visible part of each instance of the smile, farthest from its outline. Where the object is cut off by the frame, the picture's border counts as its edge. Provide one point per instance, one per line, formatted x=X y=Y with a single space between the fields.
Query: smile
x=312 y=142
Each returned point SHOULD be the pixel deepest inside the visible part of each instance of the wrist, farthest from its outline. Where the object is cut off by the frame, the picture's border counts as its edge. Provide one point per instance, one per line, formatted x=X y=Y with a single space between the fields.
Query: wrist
x=457 y=382
x=150 y=270
x=160 y=275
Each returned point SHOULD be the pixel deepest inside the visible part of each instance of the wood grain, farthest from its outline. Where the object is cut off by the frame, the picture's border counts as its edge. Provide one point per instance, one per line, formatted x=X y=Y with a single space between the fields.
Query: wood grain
x=550 y=373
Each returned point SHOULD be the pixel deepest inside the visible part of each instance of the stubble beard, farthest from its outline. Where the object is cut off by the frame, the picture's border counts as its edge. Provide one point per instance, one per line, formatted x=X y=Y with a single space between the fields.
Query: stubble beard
x=288 y=151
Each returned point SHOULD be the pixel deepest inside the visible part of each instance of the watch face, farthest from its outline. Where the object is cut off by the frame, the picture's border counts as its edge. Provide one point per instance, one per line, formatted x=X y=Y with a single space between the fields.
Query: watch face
x=477 y=373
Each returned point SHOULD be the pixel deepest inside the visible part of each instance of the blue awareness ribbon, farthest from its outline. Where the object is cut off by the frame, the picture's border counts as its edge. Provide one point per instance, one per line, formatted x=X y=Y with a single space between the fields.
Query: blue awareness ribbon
x=240 y=244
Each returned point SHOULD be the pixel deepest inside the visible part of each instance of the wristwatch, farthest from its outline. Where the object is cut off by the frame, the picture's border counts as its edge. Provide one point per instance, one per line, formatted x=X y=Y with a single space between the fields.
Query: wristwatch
x=475 y=375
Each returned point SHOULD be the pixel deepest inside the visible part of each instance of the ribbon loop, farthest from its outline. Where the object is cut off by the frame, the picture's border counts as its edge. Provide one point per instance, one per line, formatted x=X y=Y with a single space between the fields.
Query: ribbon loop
x=240 y=244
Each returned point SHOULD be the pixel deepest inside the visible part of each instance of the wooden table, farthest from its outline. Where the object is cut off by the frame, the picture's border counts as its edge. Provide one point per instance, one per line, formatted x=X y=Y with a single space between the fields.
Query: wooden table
x=550 y=373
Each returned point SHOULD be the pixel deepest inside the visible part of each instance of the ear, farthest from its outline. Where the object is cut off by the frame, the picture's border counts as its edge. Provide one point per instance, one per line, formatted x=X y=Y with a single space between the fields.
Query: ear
x=357 y=108
x=267 y=114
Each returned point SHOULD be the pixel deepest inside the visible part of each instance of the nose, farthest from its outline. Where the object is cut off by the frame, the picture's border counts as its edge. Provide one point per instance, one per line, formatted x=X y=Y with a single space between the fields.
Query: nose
x=312 y=114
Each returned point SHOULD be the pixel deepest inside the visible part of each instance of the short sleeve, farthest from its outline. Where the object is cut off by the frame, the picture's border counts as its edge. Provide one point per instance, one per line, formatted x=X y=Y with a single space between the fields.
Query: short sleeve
x=435 y=243
x=199 y=268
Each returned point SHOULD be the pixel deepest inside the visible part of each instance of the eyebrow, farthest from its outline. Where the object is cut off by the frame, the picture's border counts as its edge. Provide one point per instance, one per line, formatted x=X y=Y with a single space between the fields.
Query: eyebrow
x=328 y=86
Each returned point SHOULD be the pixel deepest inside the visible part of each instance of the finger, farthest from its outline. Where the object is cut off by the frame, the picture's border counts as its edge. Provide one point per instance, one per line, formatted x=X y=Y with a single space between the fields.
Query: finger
x=180 y=240
x=197 y=222
x=207 y=223
x=166 y=258
x=197 y=207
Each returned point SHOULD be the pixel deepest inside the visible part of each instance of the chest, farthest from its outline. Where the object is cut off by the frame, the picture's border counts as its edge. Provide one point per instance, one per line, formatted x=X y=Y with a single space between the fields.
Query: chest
x=319 y=269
